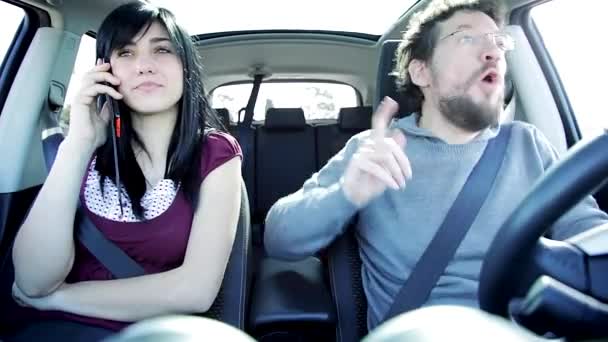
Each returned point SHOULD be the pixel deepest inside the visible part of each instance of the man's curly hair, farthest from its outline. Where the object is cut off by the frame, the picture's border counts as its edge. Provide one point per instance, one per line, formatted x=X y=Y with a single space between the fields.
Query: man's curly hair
x=421 y=36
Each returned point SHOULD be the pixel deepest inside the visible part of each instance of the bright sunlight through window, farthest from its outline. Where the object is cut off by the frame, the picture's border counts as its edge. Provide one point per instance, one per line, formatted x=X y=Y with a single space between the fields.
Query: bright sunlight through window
x=573 y=34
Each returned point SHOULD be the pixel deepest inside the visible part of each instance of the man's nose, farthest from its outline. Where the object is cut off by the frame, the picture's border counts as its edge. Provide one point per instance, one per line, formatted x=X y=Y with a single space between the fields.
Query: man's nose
x=491 y=53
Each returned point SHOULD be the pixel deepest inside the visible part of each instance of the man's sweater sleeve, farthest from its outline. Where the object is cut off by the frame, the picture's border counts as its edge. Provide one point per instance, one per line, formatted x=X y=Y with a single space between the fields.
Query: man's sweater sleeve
x=308 y=220
x=582 y=217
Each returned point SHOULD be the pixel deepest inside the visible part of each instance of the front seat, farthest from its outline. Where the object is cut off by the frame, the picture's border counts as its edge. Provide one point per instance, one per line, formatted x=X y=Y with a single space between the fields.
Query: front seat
x=344 y=261
x=232 y=302
x=344 y=264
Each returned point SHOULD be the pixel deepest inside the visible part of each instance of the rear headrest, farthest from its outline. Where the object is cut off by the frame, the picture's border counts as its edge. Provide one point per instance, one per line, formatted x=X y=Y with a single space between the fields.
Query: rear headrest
x=285 y=118
x=223 y=115
x=355 y=118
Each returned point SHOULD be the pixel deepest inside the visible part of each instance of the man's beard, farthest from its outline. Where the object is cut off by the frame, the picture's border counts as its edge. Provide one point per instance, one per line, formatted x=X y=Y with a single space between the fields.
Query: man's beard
x=462 y=112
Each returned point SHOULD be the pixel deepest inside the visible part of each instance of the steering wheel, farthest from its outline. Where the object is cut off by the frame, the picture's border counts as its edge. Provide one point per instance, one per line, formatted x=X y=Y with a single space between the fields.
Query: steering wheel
x=582 y=171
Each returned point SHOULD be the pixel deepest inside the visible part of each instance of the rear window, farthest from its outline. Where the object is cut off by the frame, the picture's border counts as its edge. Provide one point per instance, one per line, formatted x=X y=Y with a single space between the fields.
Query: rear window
x=319 y=100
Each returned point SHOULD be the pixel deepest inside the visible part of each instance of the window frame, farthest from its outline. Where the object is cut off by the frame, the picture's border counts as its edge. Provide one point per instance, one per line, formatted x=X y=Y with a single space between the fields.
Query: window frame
x=522 y=17
x=33 y=19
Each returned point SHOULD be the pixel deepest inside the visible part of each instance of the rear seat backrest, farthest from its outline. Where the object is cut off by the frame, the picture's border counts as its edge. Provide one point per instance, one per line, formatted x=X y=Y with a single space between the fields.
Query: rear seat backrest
x=224 y=116
x=248 y=160
x=285 y=156
x=332 y=138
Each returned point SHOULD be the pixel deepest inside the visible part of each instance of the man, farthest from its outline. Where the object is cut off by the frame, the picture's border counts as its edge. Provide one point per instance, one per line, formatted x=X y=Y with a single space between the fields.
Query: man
x=452 y=62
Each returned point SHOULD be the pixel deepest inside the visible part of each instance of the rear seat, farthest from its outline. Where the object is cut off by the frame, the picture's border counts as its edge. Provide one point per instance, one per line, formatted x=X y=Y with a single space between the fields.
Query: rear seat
x=285 y=157
x=332 y=138
x=285 y=151
x=224 y=116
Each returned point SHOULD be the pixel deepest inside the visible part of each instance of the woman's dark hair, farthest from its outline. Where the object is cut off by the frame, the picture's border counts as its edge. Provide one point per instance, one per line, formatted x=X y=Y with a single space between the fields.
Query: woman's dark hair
x=195 y=116
x=421 y=36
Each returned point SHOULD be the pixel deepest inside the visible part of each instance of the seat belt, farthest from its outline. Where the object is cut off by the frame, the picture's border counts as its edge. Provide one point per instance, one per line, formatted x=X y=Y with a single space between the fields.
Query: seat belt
x=105 y=251
x=245 y=137
x=244 y=128
x=454 y=228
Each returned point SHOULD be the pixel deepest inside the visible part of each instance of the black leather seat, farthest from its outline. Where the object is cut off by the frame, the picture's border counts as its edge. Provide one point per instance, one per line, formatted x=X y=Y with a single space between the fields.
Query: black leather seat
x=344 y=264
x=231 y=305
x=285 y=157
x=332 y=138
x=344 y=260
x=291 y=300
x=386 y=81
x=224 y=116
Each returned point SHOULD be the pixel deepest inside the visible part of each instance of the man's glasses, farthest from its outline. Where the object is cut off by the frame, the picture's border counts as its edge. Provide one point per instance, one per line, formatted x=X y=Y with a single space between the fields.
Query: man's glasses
x=502 y=40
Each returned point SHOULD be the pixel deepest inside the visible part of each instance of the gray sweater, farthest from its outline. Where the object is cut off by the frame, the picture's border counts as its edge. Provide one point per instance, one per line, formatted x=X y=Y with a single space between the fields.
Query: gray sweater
x=394 y=229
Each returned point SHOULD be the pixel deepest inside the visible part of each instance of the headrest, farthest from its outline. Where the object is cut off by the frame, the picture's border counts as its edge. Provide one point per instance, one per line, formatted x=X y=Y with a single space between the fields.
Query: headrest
x=355 y=118
x=223 y=115
x=514 y=30
x=385 y=82
x=285 y=118
x=386 y=86
x=509 y=88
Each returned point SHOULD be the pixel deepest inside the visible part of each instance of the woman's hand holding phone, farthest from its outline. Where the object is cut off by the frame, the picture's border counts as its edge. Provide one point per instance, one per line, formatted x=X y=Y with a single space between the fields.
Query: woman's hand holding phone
x=87 y=126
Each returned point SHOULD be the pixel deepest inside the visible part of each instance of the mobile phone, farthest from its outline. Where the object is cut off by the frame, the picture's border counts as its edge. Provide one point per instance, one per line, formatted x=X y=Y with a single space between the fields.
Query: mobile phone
x=115 y=129
x=112 y=106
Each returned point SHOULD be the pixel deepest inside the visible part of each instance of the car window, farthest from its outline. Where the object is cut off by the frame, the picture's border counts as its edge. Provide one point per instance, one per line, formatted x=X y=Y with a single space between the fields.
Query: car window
x=10 y=17
x=572 y=36
x=85 y=60
x=319 y=100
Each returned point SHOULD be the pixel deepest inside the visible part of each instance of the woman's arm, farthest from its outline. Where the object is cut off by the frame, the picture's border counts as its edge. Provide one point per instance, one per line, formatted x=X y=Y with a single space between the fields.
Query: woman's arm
x=190 y=288
x=43 y=252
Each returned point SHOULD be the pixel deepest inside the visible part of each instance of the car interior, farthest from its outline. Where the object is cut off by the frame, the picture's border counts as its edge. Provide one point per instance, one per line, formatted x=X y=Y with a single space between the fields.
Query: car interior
x=284 y=142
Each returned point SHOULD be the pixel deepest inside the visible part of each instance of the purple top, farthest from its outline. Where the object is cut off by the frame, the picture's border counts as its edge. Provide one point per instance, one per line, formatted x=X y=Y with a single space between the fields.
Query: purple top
x=158 y=244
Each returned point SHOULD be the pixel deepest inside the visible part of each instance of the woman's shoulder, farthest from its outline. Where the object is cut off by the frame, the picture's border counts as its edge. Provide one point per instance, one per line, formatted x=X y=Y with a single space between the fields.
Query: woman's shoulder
x=218 y=140
x=218 y=148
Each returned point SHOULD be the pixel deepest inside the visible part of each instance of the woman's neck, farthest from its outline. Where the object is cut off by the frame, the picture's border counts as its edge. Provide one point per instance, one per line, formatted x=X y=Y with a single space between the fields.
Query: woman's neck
x=154 y=131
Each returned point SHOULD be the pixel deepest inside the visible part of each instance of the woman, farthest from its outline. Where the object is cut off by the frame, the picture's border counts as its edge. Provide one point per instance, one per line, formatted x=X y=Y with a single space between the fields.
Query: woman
x=177 y=208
